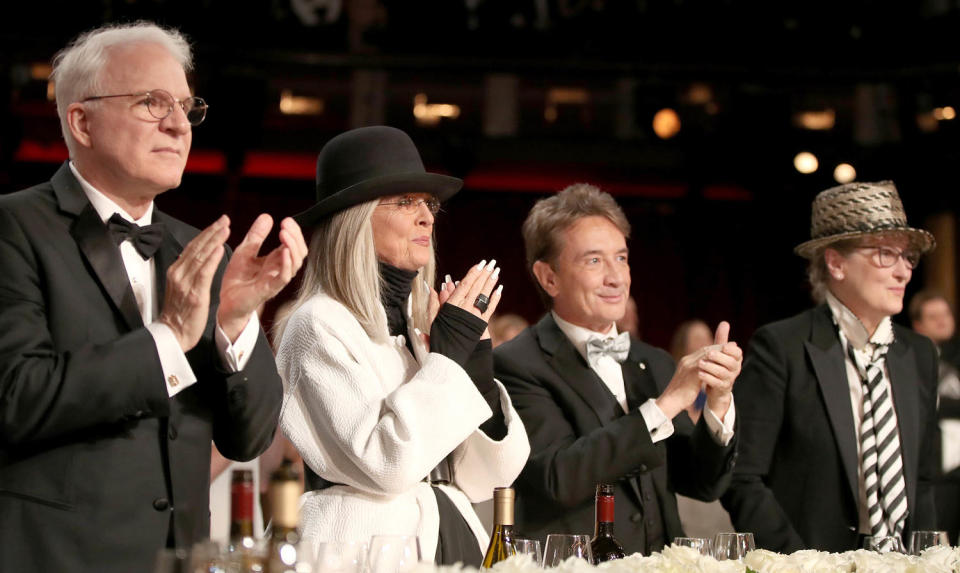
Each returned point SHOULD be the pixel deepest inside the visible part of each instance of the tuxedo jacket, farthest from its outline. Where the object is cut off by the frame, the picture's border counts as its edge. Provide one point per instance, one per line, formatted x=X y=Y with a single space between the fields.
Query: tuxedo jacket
x=795 y=484
x=96 y=460
x=580 y=436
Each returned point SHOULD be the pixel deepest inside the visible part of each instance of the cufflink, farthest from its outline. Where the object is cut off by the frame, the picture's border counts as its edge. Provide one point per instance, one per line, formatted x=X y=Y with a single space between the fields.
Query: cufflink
x=173 y=381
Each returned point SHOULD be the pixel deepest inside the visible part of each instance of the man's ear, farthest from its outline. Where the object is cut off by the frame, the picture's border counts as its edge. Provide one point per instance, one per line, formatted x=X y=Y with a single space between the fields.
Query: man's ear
x=546 y=277
x=78 y=124
x=836 y=264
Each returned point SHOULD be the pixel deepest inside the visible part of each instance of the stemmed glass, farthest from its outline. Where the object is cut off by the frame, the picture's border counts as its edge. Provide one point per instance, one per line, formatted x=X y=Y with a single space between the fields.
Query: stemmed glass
x=341 y=556
x=920 y=540
x=561 y=547
x=732 y=546
x=883 y=543
x=529 y=547
x=393 y=553
x=701 y=544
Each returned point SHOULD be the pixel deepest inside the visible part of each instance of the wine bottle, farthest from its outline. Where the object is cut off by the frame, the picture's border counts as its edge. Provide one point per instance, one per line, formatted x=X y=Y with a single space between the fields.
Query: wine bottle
x=243 y=555
x=284 y=494
x=501 y=542
x=604 y=545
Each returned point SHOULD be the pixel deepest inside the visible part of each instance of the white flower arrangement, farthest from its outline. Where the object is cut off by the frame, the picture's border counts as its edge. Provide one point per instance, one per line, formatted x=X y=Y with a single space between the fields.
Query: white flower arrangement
x=675 y=559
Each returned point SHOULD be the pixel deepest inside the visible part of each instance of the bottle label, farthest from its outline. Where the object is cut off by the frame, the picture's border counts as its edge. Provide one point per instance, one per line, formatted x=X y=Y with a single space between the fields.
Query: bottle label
x=285 y=500
x=241 y=501
x=605 y=508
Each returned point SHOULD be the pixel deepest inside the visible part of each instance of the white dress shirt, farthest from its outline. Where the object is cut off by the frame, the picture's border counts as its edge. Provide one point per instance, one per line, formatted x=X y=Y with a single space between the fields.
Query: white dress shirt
x=853 y=331
x=177 y=372
x=610 y=371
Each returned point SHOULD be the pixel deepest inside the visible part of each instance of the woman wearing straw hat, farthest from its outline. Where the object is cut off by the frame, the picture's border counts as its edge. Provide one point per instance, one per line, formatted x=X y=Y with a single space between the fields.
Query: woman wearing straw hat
x=837 y=404
x=389 y=389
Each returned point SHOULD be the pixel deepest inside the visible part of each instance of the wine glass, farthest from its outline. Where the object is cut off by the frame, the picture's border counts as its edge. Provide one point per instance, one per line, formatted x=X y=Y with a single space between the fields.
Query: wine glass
x=732 y=546
x=207 y=556
x=341 y=556
x=393 y=553
x=561 y=547
x=529 y=547
x=920 y=540
x=703 y=545
x=883 y=543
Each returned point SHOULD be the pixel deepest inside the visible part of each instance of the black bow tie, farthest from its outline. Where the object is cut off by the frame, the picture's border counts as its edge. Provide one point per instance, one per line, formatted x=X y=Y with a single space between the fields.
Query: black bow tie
x=146 y=240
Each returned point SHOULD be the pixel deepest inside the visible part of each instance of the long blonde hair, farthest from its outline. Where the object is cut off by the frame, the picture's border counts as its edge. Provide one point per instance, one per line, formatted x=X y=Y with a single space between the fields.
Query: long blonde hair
x=343 y=264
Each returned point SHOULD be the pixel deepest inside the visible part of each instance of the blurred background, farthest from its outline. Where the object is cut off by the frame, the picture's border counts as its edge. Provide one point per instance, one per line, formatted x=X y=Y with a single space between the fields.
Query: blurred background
x=713 y=122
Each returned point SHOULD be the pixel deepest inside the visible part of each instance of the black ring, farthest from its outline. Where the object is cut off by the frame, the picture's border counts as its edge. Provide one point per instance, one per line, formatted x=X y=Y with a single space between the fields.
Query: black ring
x=482 y=302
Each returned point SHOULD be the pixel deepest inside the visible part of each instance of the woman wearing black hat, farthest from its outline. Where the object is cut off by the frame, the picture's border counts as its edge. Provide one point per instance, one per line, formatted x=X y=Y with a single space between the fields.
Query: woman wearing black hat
x=389 y=389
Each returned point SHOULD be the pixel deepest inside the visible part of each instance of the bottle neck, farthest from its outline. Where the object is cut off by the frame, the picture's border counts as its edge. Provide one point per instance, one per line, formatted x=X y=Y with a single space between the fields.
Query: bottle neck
x=604 y=521
x=241 y=509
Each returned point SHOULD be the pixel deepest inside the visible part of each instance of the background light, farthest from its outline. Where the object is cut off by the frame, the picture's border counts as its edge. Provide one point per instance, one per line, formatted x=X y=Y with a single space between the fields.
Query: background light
x=806 y=162
x=666 y=123
x=844 y=173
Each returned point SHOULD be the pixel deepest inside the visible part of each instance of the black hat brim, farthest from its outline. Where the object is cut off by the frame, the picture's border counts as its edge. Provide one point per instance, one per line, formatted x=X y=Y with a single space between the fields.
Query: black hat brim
x=441 y=186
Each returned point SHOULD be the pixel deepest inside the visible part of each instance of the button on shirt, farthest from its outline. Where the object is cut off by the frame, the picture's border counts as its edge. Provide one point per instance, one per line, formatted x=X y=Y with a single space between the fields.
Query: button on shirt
x=853 y=331
x=177 y=372
x=611 y=373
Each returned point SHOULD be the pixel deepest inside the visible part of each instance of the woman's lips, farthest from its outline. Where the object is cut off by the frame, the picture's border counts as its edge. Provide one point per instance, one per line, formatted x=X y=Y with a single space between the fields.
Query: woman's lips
x=422 y=241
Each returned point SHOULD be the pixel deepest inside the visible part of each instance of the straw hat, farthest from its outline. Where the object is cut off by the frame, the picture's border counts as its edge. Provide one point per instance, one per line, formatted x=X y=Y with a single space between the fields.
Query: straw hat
x=856 y=210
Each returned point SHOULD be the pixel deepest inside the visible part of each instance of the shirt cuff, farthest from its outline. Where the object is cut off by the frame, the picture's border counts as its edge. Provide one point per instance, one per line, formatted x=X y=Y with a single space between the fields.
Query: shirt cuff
x=722 y=431
x=658 y=424
x=234 y=356
x=177 y=373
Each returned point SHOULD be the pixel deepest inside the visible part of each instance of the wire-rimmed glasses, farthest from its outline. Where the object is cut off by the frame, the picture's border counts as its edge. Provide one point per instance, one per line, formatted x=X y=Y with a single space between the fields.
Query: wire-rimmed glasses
x=409 y=204
x=159 y=104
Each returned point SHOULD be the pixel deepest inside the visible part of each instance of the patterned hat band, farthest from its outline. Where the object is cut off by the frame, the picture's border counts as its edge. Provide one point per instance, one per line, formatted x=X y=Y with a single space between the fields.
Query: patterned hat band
x=859 y=209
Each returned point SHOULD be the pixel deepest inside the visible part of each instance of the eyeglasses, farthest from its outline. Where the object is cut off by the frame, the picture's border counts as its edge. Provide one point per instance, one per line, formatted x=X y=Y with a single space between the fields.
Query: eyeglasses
x=412 y=204
x=886 y=257
x=160 y=104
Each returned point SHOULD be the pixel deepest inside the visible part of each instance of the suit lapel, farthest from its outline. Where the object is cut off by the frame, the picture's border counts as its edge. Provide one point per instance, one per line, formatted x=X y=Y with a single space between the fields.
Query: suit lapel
x=166 y=255
x=637 y=381
x=904 y=381
x=94 y=240
x=826 y=355
x=574 y=370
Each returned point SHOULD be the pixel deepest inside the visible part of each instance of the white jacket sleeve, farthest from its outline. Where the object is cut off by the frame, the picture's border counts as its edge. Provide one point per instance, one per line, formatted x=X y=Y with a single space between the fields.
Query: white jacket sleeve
x=363 y=413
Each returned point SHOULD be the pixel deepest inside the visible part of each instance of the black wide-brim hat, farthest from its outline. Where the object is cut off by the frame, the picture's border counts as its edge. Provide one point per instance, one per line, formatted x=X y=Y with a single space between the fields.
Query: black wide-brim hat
x=364 y=164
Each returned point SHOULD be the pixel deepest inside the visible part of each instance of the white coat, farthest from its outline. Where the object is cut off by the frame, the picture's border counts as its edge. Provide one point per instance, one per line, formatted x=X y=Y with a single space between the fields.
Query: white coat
x=375 y=419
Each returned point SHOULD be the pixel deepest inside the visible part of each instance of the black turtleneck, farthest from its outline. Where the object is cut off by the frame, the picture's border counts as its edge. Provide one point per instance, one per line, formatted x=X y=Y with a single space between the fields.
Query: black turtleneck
x=455 y=333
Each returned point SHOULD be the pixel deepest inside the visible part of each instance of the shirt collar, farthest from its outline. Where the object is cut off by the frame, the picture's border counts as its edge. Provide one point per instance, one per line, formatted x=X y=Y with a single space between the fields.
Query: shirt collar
x=105 y=206
x=854 y=330
x=579 y=335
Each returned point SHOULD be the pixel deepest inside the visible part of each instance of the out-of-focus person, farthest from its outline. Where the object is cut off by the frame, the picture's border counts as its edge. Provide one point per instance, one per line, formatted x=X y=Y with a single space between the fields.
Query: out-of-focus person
x=389 y=390
x=932 y=316
x=504 y=327
x=837 y=405
x=630 y=321
x=600 y=406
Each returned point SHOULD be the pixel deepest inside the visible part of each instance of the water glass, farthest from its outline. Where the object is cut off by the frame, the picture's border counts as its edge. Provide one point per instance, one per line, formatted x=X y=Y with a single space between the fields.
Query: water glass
x=732 y=546
x=393 y=553
x=701 y=544
x=920 y=540
x=561 y=547
x=883 y=543
x=529 y=547
x=341 y=557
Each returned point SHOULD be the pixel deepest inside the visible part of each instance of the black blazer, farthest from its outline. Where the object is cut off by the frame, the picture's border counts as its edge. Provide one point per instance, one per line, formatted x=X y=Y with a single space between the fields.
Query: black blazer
x=795 y=484
x=95 y=458
x=579 y=436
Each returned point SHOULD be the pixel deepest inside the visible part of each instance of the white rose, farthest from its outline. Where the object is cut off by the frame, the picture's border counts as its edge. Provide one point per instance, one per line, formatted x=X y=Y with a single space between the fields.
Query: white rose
x=760 y=559
x=941 y=558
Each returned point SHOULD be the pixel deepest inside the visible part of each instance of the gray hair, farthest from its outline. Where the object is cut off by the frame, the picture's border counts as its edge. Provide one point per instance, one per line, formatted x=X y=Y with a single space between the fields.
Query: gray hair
x=550 y=217
x=77 y=68
x=343 y=264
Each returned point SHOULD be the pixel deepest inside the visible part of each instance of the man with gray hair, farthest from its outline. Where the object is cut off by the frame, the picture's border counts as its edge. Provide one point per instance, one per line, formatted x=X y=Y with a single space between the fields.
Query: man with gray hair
x=603 y=407
x=128 y=339
x=837 y=405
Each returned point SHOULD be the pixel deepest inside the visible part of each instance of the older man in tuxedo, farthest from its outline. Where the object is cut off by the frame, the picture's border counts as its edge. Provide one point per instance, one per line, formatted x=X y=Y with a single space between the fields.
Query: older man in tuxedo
x=602 y=407
x=837 y=405
x=128 y=341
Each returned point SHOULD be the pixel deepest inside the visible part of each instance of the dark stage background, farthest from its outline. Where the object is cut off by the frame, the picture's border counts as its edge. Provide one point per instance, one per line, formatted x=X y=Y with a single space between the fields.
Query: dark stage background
x=548 y=93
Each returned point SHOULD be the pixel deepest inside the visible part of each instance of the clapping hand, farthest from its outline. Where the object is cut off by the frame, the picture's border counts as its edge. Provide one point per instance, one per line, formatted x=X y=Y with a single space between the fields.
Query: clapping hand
x=719 y=369
x=466 y=293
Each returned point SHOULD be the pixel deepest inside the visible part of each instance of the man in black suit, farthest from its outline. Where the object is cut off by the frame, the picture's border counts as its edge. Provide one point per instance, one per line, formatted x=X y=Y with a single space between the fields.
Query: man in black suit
x=606 y=408
x=125 y=350
x=837 y=405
